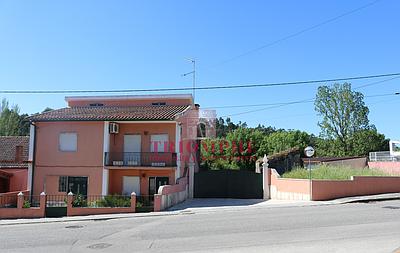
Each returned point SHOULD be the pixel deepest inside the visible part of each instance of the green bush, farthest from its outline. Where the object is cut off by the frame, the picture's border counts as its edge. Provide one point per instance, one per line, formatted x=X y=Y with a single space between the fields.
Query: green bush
x=332 y=172
x=114 y=201
x=26 y=204
x=79 y=201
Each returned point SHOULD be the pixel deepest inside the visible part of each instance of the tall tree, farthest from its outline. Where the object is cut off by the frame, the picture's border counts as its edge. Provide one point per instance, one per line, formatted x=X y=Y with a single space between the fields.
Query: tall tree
x=9 y=119
x=343 y=113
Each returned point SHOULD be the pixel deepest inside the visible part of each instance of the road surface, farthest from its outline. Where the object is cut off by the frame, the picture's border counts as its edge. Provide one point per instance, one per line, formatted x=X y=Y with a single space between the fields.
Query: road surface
x=358 y=227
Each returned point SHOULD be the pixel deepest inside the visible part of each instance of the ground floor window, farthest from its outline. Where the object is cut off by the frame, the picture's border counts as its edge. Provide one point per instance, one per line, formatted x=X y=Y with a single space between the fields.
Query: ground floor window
x=76 y=185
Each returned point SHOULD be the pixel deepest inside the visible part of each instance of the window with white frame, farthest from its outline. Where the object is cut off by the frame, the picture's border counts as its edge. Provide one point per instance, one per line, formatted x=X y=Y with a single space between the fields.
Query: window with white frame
x=159 y=142
x=68 y=142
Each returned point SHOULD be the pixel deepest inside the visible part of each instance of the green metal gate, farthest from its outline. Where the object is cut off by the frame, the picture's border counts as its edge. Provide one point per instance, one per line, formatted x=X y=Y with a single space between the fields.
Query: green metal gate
x=238 y=184
x=56 y=205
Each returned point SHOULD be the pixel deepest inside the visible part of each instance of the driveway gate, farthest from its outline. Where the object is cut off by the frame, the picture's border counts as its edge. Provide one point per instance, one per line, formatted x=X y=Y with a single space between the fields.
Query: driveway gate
x=238 y=184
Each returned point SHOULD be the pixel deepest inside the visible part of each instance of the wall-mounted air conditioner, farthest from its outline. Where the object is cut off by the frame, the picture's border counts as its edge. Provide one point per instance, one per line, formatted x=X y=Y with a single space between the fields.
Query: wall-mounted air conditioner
x=113 y=128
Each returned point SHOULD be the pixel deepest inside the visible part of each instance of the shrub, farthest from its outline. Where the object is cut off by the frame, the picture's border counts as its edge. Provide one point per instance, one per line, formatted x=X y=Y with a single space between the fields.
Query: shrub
x=79 y=201
x=114 y=201
x=26 y=204
x=332 y=172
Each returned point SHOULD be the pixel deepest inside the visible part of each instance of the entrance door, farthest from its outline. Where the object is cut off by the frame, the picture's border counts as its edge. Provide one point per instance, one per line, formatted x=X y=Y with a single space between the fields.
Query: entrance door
x=130 y=184
x=78 y=185
x=156 y=182
x=132 y=148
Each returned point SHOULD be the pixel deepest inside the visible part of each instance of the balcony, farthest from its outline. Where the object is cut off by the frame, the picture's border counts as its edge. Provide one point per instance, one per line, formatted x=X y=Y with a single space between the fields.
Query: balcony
x=140 y=159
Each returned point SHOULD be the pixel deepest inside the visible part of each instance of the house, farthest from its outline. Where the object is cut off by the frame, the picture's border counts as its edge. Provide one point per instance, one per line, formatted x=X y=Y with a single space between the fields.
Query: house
x=101 y=145
x=13 y=163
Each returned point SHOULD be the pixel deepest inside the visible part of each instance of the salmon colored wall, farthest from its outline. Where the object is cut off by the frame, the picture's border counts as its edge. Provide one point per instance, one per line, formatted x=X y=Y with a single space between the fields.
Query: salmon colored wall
x=46 y=178
x=132 y=101
x=115 y=178
x=19 y=179
x=89 y=150
x=117 y=140
x=289 y=185
x=331 y=189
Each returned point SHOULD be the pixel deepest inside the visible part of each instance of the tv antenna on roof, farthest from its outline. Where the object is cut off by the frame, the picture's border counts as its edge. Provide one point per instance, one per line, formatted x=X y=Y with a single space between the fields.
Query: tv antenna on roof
x=193 y=73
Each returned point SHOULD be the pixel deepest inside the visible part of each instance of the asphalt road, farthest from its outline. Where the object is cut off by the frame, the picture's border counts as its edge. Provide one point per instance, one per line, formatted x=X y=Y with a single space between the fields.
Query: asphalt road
x=358 y=227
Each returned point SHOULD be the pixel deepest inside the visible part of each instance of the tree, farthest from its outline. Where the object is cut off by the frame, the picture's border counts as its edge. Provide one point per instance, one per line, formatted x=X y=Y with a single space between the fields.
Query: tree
x=284 y=140
x=368 y=140
x=223 y=128
x=343 y=114
x=9 y=119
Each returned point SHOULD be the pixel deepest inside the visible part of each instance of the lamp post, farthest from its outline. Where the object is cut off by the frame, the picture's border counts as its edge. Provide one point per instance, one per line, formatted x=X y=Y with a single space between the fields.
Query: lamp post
x=309 y=152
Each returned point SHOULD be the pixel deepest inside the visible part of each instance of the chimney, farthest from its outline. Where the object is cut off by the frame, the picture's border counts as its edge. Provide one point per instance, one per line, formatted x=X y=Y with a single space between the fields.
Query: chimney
x=18 y=154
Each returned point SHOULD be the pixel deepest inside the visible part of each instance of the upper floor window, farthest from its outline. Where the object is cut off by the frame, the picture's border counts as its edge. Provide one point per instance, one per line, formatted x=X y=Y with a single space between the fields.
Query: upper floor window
x=68 y=142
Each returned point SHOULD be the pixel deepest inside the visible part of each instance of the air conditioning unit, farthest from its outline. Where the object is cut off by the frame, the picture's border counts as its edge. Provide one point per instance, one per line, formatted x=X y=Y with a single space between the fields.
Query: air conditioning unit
x=113 y=128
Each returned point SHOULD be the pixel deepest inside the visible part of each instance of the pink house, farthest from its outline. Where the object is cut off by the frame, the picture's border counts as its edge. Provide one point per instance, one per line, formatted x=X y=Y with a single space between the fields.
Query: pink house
x=101 y=145
x=13 y=163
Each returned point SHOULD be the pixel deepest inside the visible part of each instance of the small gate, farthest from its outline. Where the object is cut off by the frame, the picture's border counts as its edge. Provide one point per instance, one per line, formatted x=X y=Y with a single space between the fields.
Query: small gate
x=56 y=205
x=238 y=184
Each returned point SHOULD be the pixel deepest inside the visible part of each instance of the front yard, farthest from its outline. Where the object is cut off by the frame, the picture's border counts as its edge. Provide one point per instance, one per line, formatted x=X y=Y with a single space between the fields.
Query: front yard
x=332 y=172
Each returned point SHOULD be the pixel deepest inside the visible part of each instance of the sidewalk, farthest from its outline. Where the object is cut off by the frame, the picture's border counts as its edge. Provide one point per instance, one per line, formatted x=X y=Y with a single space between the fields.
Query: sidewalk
x=193 y=206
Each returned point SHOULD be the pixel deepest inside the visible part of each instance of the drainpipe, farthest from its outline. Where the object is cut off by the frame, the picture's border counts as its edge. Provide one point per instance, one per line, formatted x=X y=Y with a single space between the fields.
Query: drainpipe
x=33 y=156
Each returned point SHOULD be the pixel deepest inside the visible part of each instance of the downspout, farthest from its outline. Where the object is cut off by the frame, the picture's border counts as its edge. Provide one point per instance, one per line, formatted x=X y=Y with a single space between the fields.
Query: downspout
x=33 y=157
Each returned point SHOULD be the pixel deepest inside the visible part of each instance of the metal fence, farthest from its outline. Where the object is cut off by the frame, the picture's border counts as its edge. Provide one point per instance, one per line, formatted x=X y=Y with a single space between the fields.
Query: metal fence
x=383 y=156
x=31 y=201
x=144 y=203
x=96 y=201
x=132 y=159
x=56 y=201
x=8 y=201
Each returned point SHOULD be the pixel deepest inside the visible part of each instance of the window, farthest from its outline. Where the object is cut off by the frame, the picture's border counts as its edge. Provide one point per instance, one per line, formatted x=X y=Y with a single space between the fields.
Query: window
x=62 y=183
x=68 y=142
x=159 y=142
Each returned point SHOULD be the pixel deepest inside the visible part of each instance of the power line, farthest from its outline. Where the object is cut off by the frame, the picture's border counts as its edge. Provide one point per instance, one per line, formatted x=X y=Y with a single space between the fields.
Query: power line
x=301 y=102
x=296 y=33
x=218 y=87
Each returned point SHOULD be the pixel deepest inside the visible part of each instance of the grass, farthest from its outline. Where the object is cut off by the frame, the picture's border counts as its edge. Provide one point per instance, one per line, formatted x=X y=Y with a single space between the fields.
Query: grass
x=332 y=172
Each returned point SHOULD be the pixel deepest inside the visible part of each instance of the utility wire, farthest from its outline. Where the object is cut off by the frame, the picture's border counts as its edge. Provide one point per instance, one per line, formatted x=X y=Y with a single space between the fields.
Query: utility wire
x=218 y=87
x=290 y=36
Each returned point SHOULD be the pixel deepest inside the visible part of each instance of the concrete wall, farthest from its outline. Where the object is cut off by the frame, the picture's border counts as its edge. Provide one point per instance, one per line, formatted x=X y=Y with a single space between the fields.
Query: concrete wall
x=392 y=168
x=299 y=189
x=20 y=212
x=287 y=188
x=357 y=186
x=169 y=195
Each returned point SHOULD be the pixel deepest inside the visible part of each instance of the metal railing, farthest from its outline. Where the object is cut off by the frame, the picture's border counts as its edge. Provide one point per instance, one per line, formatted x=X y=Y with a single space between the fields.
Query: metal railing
x=8 y=201
x=56 y=201
x=31 y=201
x=144 y=203
x=135 y=159
x=97 y=201
x=383 y=156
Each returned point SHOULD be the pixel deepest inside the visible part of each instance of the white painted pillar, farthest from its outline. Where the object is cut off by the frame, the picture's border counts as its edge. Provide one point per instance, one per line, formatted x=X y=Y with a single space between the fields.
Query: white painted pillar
x=178 y=139
x=30 y=156
x=106 y=148
x=191 y=177
x=266 y=178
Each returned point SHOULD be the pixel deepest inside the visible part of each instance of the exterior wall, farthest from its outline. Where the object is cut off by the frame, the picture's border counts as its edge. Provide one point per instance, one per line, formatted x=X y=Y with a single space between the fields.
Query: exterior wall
x=20 y=212
x=358 y=186
x=392 y=168
x=288 y=189
x=354 y=163
x=116 y=177
x=117 y=140
x=19 y=179
x=132 y=101
x=51 y=163
x=46 y=179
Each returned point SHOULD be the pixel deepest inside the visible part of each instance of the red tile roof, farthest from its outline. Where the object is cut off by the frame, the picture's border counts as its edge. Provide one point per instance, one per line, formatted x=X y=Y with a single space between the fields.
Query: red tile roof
x=8 y=146
x=112 y=113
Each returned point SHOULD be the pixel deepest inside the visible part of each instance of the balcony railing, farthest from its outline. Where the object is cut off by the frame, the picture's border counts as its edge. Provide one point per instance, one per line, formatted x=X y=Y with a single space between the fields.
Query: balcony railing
x=383 y=156
x=137 y=159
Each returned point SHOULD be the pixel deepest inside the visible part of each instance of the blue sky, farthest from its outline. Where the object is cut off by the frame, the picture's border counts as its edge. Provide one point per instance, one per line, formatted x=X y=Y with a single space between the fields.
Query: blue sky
x=144 y=44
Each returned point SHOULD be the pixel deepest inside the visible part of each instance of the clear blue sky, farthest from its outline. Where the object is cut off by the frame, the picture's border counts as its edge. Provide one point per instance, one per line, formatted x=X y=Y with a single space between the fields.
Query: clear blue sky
x=144 y=44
